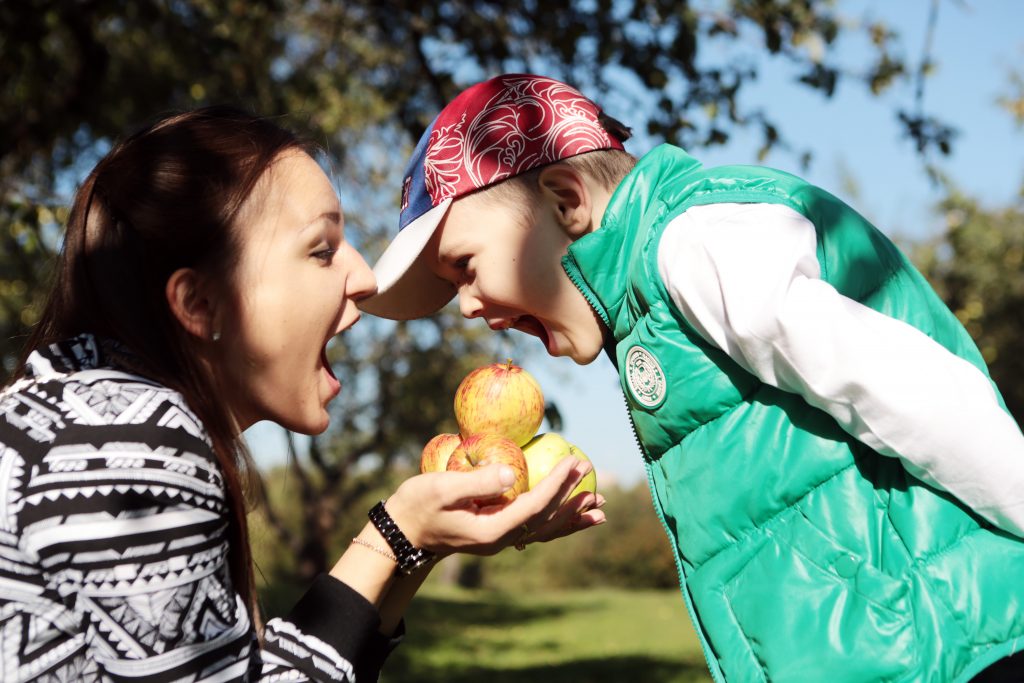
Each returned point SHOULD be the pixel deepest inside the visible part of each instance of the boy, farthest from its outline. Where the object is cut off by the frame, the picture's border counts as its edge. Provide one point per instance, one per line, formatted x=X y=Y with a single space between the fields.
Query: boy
x=841 y=484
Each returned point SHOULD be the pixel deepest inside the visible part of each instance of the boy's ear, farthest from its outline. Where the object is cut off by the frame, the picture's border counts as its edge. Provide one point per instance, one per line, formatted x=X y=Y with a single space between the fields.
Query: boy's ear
x=190 y=302
x=566 y=192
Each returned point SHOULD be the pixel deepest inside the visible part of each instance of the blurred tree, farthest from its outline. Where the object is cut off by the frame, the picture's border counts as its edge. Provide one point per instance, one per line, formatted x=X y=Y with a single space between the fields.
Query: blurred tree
x=364 y=78
x=977 y=267
x=73 y=76
x=1013 y=100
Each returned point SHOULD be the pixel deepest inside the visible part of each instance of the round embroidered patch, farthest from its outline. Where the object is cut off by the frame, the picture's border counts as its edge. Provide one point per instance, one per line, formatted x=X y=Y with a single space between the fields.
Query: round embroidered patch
x=645 y=377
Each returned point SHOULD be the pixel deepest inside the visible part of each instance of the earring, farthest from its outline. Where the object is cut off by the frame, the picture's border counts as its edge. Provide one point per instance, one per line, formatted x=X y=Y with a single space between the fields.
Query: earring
x=216 y=335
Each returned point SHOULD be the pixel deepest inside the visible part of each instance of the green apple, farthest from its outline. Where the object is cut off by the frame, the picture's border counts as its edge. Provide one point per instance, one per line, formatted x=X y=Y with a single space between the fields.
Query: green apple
x=546 y=450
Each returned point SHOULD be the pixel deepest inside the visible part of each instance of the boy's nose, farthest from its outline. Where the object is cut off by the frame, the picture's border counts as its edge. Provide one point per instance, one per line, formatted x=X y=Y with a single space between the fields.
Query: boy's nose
x=469 y=305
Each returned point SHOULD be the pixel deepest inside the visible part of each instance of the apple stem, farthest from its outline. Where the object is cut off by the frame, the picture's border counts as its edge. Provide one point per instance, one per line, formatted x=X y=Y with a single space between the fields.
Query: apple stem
x=508 y=363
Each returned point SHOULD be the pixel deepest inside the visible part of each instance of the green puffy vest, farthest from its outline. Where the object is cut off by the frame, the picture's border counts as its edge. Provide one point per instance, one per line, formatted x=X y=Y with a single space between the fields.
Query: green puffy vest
x=803 y=555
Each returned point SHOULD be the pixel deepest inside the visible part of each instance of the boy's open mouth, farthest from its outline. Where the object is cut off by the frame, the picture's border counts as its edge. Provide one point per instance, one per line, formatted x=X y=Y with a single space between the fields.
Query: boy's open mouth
x=530 y=325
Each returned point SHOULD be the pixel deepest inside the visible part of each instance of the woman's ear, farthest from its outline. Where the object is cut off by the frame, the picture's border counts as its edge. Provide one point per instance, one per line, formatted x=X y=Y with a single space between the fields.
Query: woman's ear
x=566 y=192
x=190 y=302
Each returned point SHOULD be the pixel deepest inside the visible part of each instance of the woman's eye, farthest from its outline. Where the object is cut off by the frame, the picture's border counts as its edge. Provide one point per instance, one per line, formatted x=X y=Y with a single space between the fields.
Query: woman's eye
x=462 y=263
x=325 y=255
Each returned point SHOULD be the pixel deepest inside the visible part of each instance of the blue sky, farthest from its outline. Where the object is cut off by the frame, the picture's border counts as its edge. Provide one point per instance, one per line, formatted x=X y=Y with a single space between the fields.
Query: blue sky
x=859 y=156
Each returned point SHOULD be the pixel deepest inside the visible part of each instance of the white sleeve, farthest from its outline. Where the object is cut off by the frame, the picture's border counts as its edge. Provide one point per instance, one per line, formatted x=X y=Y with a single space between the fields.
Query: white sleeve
x=746 y=276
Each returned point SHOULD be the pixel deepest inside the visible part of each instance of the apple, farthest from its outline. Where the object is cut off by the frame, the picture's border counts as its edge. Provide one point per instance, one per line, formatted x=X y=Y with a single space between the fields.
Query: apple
x=545 y=451
x=502 y=399
x=481 y=450
x=434 y=457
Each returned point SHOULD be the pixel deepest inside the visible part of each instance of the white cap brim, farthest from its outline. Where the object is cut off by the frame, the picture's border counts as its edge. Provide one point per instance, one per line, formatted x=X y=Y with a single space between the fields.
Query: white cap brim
x=406 y=287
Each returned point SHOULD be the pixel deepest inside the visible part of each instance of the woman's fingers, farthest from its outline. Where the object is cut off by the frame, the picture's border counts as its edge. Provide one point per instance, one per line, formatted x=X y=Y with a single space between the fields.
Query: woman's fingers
x=558 y=514
x=581 y=512
x=441 y=512
x=504 y=523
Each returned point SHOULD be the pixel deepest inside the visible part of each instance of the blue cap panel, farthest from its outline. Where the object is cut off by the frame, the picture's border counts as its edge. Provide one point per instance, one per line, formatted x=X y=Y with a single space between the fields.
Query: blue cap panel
x=416 y=200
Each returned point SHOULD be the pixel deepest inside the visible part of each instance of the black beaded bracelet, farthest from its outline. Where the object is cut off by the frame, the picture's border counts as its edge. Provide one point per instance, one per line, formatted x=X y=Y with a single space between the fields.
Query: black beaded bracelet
x=409 y=557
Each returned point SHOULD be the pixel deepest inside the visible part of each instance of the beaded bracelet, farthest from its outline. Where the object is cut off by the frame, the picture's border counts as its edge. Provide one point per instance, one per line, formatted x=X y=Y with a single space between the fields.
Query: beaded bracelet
x=376 y=549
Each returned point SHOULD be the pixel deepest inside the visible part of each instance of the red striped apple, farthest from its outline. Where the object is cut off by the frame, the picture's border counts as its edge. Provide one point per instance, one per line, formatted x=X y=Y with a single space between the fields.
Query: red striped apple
x=502 y=399
x=436 y=452
x=546 y=450
x=481 y=450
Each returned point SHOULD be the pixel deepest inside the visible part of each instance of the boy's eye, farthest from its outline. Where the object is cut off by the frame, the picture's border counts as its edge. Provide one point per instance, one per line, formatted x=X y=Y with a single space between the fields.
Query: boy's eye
x=461 y=263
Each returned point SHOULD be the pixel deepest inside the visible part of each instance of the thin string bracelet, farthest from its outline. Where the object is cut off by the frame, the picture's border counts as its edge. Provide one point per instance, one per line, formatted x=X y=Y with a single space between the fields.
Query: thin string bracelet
x=376 y=549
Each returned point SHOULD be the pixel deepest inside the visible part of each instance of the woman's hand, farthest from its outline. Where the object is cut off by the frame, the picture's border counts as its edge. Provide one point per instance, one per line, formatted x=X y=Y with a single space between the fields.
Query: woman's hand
x=436 y=511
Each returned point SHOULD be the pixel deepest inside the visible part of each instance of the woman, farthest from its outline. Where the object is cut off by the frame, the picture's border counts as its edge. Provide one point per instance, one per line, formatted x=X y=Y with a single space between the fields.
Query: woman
x=203 y=272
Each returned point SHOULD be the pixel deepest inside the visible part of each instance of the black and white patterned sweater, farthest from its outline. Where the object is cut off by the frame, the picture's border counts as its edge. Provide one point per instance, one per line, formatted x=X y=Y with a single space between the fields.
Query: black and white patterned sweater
x=113 y=550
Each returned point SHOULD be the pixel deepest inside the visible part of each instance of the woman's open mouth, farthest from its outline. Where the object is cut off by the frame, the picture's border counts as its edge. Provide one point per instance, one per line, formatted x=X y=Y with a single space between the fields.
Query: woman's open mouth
x=332 y=379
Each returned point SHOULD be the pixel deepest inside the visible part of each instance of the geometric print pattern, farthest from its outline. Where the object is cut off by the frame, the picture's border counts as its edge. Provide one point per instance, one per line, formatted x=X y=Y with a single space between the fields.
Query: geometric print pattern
x=113 y=528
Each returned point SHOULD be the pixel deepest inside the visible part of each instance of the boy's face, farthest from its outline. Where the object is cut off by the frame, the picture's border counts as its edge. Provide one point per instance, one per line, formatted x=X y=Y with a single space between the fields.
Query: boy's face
x=505 y=262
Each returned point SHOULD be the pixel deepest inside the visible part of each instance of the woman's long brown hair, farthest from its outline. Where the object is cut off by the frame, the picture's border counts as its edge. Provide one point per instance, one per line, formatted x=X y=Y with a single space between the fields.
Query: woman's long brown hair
x=166 y=198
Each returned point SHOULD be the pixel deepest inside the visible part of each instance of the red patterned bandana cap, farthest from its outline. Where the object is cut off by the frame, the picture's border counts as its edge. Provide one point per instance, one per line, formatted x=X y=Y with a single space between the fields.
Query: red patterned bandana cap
x=493 y=130
x=506 y=126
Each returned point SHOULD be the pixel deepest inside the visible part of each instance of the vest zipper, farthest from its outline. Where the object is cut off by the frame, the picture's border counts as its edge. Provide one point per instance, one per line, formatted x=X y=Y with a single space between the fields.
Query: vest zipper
x=573 y=271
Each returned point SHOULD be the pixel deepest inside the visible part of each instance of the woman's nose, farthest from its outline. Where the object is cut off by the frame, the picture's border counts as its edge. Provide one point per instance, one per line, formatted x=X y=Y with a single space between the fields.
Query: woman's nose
x=360 y=282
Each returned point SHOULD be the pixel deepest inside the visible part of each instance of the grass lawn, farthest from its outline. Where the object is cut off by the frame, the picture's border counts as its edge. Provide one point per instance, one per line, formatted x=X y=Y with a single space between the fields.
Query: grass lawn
x=592 y=636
